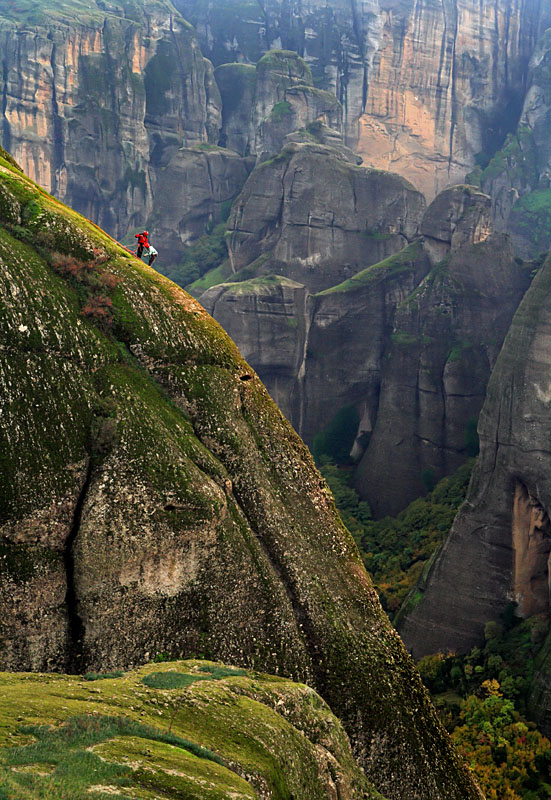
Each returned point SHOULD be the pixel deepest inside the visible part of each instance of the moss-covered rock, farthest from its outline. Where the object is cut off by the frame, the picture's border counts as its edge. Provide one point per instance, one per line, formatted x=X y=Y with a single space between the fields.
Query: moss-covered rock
x=180 y=512
x=220 y=733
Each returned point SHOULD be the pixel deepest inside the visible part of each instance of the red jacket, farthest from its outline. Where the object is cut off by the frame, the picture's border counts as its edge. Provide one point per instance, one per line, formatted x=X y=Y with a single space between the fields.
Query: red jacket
x=142 y=239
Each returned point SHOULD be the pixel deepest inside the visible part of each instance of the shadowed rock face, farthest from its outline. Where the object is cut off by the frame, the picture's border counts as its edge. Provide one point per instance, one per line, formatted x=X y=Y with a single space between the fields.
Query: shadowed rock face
x=498 y=549
x=262 y=105
x=445 y=341
x=154 y=499
x=425 y=86
x=410 y=341
x=518 y=176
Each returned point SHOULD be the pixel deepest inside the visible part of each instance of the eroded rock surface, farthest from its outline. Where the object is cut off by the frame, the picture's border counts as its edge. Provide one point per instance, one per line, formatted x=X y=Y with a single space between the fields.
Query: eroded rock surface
x=409 y=342
x=312 y=215
x=94 y=105
x=518 y=177
x=262 y=106
x=426 y=87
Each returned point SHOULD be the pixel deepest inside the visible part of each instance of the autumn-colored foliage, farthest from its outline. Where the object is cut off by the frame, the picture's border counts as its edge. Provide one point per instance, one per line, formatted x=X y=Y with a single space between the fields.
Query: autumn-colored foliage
x=510 y=758
x=91 y=281
x=98 y=308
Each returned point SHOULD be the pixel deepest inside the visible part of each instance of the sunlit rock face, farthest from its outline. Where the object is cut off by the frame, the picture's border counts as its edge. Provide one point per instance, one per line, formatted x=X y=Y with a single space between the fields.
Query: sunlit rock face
x=425 y=87
x=94 y=109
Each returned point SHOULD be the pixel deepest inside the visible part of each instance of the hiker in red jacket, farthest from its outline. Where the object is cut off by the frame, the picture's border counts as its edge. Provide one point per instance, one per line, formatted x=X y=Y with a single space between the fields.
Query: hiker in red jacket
x=142 y=242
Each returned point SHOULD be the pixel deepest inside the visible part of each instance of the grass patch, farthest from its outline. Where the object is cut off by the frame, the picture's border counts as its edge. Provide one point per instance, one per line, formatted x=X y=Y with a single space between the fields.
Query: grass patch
x=181 y=680
x=217 y=673
x=280 y=110
x=393 y=266
x=172 y=680
x=101 y=676
x=66 y=766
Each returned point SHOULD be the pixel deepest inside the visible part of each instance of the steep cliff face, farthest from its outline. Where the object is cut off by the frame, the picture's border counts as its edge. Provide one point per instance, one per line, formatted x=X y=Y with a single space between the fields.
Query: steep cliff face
x=409 y=341
x=425 y=87
x=94 y=104
x=445 y=340
x=498 y=549
x=444 y=344
x=167 y=505
x=518 y=177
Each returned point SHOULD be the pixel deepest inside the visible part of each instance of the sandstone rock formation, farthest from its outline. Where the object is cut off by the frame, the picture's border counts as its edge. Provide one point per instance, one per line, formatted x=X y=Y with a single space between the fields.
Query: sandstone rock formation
x=409 y=342
x=445 y=340
x=314 y=216
x=498 y=549
x=261 y=107
x=153 y=499
x=95 y=105
x=425 y=87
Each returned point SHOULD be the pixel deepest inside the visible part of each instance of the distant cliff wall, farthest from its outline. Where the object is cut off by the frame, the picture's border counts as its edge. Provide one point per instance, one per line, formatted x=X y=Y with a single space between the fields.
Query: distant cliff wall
x=94 y=109
x=498 y=549
x=427 y=88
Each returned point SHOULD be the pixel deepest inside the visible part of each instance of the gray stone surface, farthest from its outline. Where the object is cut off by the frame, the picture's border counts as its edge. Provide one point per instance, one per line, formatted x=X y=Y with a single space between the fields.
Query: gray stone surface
x=316 y=217
x=409 y=341
x=95 y=109
x=425 y=87
x=492 y=555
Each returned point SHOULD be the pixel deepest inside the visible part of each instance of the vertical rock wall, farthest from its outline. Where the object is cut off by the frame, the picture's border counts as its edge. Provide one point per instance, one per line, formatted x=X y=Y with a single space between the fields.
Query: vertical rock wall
x=498 y=549
x=426 y=87
x=93 y=111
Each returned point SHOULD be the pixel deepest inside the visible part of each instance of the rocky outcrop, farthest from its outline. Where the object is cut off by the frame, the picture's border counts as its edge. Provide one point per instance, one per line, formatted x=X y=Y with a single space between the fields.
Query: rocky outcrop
x=167 y=505
x=445 y=340
x=122 y=117
x=519 y=176
x=193 y=190
x=409 y=342
x=427 y=88
x=498 y=549
x=312 y=215
x=262 y=107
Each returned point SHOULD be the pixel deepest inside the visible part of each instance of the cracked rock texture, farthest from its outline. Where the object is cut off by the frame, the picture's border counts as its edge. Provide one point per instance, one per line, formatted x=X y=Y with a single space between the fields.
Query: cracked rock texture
x=519 y=175
x=96 y=103
x=262 y=105
x=425 y=86
x=314 y=216
x=202 y=525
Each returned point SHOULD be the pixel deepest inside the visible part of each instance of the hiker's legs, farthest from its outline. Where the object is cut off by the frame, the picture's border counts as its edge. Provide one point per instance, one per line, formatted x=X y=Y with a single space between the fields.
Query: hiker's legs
x=152 y=258
x=139 y=251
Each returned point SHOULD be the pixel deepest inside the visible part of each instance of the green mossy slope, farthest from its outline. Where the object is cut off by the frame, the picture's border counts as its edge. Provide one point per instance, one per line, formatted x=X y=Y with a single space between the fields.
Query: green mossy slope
x=227 y=734
x=155 y=500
